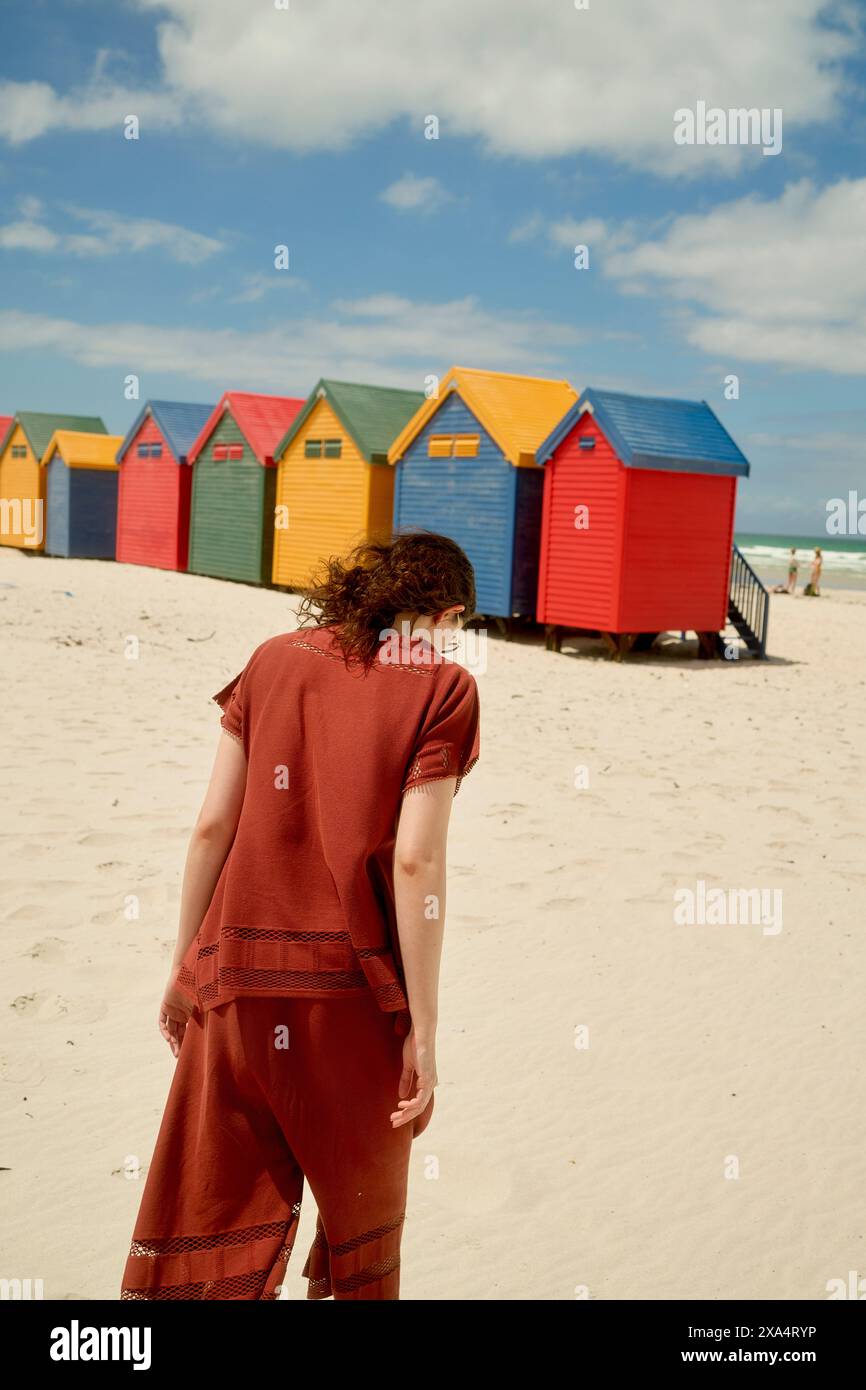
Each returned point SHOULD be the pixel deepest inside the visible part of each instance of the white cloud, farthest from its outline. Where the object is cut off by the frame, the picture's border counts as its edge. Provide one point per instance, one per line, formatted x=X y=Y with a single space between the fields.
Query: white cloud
x=529 y=80
x=255 y=287
x=384 y=340
x=765 y=280
x=414 y=194
x=27 y=236
x=108 y=234
x=29 y=206
x=819 y=446
x=528 y=229
x=32 y=109
x=569 y=232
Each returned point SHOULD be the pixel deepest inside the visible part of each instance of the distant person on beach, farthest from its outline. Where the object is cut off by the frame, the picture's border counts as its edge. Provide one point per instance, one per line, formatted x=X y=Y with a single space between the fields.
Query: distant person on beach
x=302 y=1002
x=793 y=567
x=813 y=588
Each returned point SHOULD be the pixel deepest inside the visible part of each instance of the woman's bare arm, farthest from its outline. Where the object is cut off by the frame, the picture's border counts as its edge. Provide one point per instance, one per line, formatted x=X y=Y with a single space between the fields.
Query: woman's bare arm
x=211 y=839
x=419 y=894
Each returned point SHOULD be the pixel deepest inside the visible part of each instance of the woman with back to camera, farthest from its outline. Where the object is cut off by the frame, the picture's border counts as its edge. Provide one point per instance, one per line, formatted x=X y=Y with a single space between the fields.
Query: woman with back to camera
x=303 y=998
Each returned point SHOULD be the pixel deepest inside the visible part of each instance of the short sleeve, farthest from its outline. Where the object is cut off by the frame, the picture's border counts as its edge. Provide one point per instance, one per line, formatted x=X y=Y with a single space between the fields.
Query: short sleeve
x=449 y=742
x=230 y=701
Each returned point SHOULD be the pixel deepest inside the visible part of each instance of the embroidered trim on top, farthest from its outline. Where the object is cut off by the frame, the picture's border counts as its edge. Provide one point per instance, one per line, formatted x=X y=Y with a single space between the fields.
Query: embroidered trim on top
x=416 y=770
x=378 y=666
x=276 y=934
x=236 y=978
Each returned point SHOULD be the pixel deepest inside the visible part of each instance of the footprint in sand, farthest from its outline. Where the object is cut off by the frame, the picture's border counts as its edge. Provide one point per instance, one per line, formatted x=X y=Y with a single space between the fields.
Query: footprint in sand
x=24 y=1068
x=28 y=912
x=48 y=1007
x=24 y=1004
x=51 y=950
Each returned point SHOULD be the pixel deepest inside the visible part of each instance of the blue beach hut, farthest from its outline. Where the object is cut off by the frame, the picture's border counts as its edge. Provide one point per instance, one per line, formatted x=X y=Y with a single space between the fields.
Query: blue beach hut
x=466 y=467
x=81 y=494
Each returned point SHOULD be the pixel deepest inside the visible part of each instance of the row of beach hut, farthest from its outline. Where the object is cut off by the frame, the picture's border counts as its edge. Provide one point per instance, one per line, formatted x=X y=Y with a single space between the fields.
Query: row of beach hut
x=595 y=510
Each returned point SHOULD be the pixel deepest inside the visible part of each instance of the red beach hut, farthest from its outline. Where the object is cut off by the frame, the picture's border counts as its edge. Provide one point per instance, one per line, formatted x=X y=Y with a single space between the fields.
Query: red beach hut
x=637 y=524
x=154 y=484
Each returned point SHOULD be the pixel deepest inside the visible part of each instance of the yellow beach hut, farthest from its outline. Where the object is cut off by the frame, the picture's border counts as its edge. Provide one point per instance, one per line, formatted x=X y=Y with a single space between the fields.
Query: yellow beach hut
x=334 y=485
x=22 y=479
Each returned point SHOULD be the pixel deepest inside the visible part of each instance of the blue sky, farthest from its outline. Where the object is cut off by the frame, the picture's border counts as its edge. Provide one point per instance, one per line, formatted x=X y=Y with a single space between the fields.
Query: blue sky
x=305 y=126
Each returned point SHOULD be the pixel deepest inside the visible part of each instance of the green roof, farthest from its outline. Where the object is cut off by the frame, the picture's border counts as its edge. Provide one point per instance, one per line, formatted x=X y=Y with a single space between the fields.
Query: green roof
x=39 y=427
x=373 y=415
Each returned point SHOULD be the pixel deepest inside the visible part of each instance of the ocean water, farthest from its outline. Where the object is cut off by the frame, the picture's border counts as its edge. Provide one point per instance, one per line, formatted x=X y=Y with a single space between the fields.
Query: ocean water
x=844 y=558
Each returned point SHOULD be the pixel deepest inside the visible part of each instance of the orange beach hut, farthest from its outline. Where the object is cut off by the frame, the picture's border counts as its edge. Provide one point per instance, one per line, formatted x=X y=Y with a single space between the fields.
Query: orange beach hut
x=22 y=479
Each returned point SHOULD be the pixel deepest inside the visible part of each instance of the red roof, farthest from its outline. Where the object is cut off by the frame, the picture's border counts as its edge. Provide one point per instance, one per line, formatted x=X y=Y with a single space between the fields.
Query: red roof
x=262 y=420
x=5 y=422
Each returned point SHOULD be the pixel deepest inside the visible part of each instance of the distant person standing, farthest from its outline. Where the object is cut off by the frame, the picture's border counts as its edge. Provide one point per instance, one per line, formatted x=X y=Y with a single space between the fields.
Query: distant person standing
x=793 y=568
x=813 y=588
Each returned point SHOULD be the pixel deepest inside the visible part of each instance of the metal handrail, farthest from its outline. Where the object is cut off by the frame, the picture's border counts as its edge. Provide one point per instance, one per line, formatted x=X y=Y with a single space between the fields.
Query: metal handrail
x=749 y=598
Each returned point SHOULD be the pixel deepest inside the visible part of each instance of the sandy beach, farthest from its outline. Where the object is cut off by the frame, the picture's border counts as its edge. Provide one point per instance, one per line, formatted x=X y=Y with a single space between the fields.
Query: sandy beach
x=629 y=1107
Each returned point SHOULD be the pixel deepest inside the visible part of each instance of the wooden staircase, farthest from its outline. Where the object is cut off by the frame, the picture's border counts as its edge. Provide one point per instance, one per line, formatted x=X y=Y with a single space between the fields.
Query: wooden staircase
x=748 y=605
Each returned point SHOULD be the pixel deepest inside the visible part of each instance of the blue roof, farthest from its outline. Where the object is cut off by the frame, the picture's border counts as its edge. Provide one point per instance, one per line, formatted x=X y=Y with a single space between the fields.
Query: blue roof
x=656 y=432
x=181 y=423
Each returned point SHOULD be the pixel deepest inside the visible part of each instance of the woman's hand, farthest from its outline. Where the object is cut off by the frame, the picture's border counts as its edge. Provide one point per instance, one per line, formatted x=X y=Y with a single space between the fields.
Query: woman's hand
x=417 y=1078
x=174 y=1013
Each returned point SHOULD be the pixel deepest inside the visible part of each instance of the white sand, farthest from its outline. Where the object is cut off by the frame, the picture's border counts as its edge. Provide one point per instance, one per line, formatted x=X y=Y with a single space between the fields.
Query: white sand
x=557 y=1167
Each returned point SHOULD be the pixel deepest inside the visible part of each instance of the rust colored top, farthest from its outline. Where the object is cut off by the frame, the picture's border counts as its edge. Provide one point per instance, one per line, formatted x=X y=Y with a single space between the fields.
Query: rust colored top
x=304 y=904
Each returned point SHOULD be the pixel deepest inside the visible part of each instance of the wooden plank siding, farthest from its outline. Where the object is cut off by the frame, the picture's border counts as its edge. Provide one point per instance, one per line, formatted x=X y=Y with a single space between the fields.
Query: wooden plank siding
x=330 y=502
x=21 y=479
x=57 y=507
x=579 y=579
x=232 y=511
x=380 y=501
x=469 y=499
x=152 y=505
x=678 y=534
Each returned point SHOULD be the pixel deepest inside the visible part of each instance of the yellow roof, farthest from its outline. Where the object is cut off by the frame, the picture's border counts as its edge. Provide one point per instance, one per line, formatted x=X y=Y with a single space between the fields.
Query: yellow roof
x=518 y=412
x=80 y=450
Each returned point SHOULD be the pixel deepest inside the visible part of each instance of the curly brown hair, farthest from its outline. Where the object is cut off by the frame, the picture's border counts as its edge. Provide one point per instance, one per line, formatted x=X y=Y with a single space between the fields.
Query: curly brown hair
x=360 y=595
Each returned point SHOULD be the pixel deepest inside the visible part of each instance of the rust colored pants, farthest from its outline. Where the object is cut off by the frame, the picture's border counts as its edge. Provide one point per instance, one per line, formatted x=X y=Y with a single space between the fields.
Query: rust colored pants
x=245 y=1122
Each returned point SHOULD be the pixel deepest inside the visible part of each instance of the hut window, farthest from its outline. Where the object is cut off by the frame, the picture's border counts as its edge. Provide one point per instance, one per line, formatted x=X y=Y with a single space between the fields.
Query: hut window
x=313 y=449
x=19 y=451
x=149 y=451
x=466 y=446
x=156 y=451
x=221 y=451
x=333 y=448
x=439 y=446
x=458 y=446
x=235 y=451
